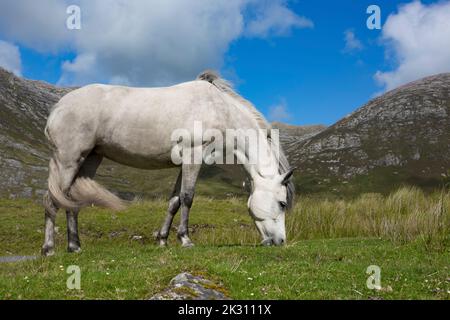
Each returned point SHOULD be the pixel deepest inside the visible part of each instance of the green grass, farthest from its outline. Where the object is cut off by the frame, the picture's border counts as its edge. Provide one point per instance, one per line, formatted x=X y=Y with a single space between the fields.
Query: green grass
x=383 y=180
x=330 y=245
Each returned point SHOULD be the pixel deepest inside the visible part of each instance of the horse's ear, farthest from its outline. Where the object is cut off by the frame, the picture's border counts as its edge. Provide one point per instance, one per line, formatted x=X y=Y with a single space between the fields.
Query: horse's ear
x=286 y=176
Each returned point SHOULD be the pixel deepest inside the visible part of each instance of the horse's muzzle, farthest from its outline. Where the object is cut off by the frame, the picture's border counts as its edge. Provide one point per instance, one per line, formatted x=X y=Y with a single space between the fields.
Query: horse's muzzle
x=273 y=241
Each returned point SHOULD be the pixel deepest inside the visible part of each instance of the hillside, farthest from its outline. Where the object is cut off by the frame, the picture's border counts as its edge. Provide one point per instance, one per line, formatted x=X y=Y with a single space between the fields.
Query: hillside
x=400 y=137
x=24 y=107
x=292 y=136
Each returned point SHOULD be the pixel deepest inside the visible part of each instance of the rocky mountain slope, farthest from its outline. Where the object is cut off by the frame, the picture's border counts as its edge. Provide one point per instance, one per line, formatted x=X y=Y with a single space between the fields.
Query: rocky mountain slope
x=400 y=137
x=24 y=107
x=24 y=152
x=292 y=136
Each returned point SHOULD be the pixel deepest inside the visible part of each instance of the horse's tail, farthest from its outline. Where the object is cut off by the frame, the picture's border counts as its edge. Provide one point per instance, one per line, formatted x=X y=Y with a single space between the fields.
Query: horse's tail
x=54 y=188
x=82 y=193
x=88 y=192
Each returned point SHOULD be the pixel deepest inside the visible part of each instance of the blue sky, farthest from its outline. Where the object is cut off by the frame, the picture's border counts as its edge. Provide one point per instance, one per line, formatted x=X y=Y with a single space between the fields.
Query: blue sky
x=298 y=74
x=308 y=70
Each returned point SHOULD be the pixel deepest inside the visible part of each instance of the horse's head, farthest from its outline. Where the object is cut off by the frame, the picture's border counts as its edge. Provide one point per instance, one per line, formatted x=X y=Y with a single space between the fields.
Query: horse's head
x=267 y=205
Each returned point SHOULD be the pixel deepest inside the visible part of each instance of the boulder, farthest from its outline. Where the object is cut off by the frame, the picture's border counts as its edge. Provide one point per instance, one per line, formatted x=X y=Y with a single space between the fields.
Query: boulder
x=186 y=286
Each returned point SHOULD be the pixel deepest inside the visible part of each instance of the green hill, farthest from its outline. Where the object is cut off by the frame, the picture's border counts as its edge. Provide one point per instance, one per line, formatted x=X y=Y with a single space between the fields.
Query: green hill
x=401 y=137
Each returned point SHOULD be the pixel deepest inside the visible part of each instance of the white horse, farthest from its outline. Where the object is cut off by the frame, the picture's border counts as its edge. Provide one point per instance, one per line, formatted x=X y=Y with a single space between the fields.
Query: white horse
x=133 y=126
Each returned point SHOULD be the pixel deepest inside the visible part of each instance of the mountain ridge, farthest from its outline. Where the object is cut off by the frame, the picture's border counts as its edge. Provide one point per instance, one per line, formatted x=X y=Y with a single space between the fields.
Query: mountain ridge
x=405 y=130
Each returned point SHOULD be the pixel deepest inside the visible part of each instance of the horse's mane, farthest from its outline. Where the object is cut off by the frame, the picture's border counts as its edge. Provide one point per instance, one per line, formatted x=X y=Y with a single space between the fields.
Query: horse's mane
x=227 y=87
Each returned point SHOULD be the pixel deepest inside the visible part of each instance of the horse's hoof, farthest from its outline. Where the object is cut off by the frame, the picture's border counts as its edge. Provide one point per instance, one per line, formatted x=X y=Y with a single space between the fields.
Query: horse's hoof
x=187 y=244
x=162 y=240
x=74 y=249
x=47 y=251
x=185 y=241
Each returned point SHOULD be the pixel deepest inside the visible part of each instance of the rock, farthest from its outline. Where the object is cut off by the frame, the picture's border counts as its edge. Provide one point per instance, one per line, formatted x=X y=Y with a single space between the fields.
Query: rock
x=186 y=286
x=10 y=259
x=387 y=289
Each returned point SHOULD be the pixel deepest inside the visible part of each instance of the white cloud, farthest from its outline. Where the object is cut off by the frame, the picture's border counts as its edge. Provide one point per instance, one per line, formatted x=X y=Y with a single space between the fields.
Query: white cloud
x=279 y=112
x=273 y=17
x=418 y=37
x=82 y=67
x=352 y=43
x=36 y=24
x=143 y=42
x=10 y=58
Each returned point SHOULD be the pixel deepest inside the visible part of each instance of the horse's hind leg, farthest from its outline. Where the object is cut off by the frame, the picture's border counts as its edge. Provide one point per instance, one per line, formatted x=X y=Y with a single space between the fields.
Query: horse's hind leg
x=65 y=173
x=88 y=169
x=50 y=215
x=73 y=241
x=174 y=205
x=189 y=178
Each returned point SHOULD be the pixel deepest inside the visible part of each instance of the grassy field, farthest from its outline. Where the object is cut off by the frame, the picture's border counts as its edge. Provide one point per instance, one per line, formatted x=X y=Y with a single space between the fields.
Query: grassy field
x=330 y=245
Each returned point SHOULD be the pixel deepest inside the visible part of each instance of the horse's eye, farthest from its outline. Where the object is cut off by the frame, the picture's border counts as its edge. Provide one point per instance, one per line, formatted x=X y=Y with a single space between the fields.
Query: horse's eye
x=283 y=205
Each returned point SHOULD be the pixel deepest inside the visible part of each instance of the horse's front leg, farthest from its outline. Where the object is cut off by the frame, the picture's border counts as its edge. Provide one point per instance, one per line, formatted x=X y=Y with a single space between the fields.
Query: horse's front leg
x=189 y=178
x=73 y=241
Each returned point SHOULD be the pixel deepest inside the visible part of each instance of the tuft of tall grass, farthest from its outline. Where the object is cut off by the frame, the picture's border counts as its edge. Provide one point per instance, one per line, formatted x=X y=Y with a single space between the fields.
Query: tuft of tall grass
x=404 y=216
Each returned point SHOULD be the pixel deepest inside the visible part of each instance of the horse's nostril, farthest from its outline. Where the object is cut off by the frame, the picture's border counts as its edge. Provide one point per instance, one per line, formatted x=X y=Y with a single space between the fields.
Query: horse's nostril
x=278 y=241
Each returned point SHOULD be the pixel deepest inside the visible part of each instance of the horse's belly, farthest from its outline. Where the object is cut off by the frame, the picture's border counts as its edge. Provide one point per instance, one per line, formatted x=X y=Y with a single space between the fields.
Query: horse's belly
x=136 y=160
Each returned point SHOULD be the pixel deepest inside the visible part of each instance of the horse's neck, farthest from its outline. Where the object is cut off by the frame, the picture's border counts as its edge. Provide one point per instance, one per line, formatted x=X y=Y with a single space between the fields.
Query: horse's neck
x=267 y=164
x=266 y=160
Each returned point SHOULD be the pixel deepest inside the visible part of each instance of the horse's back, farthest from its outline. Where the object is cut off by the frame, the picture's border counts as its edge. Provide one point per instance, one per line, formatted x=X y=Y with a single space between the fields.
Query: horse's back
x=133 y=125
x=113 y=96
